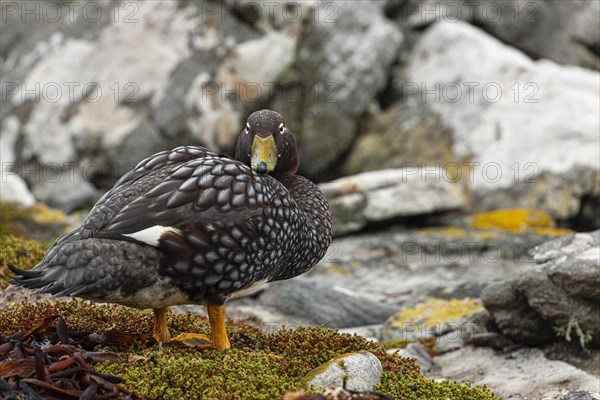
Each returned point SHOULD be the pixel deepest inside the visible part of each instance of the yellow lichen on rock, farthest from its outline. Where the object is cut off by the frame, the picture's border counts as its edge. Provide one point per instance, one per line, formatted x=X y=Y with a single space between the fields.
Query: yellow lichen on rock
x=517 y=220
x=435 y=313
x=42 y=214
x=38 y=221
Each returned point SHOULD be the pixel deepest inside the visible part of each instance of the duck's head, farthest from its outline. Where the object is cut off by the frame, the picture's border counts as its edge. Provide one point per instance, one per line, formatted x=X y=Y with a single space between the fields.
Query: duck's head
x=266 y=144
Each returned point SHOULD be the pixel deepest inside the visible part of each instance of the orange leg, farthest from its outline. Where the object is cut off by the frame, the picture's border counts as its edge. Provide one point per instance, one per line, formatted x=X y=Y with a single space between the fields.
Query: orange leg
x=161 y=331
x=218 y=334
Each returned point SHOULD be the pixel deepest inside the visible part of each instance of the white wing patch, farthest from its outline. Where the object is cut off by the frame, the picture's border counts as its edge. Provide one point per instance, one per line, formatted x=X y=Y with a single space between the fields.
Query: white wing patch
x=151 y=235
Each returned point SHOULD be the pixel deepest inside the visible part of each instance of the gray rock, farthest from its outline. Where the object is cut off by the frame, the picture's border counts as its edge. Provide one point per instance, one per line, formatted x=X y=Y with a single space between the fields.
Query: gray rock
x=419 y=191
x=357 y=41
x=565 y=245
x=513 y=315
x=433 y=318
x=406 y=267
x=25 y=41
x=319 y=151
x=448 y=342
x=521 y=374
x=566 y=33
x=577 y=395
x=69 y=191
x=12 y=187
x=406 y=134
x=476 y=81
x=347 y=213
x=562 y=291
x=90 y=102
x=476 y=329
x=343 y=62
x=355 y=371
x=418 y=352
x=324 y=304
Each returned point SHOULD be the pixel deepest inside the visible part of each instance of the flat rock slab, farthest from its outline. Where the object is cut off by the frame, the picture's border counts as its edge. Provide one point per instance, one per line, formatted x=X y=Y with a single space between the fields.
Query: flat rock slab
x=323 y=304
x=522 y=374
x=411 y=266
x=391 y=193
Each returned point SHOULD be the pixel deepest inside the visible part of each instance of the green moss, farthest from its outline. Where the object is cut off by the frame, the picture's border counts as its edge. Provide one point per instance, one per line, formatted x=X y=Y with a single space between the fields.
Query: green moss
x=10 y=214
x=259 y=365
x=22 y=253
x=415 y=388
x=396 y=343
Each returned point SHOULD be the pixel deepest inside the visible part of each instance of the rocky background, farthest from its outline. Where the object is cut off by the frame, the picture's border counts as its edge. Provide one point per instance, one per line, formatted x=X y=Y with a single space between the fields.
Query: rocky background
x=451 y=138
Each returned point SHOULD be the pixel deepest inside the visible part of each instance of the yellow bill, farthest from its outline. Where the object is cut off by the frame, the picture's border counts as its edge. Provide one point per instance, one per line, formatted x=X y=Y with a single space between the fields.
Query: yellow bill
x=263 y=150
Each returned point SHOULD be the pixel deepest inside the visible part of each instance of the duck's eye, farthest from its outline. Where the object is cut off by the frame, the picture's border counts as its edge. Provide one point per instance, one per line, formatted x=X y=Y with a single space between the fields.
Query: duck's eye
x=247 y=128
x=281 y=128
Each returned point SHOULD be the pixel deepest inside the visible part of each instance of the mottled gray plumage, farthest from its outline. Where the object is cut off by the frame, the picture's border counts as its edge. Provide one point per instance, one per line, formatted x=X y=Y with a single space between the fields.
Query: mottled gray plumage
x=223 y=228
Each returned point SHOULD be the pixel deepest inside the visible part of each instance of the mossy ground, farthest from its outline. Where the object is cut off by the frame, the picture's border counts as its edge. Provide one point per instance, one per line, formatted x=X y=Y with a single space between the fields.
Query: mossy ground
x=17 y=226
x=22 y=253
x=38 y=221
x=259 y=365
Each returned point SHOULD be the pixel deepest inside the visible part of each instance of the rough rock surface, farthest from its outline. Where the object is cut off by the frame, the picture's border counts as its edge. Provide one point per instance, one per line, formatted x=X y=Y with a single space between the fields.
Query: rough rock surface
x=545 y=155
x=69 y=191
x=342 y=40
x=521 y=374
x=386 y=194
x=91 y=102
x=355 y=371
x=562 y=291
x=411 y=266
x=323 y=304
x=406 y=134
x=433 y=317
x=12 y=187
x=418 y=352
x=567 y=33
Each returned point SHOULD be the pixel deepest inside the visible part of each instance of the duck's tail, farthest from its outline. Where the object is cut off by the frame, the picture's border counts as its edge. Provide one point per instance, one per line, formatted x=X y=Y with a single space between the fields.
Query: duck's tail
x=91 y=268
